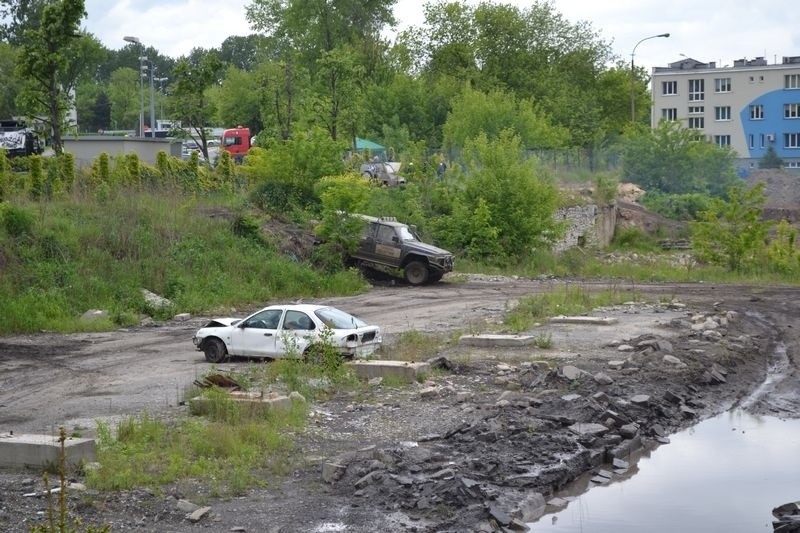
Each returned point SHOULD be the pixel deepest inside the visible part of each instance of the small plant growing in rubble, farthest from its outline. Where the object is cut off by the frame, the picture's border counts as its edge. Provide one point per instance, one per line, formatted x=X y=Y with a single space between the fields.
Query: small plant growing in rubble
x=61 y=523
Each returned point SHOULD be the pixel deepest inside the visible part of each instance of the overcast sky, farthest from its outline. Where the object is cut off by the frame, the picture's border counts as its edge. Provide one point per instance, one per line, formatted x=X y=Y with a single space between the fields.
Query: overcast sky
x=706 y=30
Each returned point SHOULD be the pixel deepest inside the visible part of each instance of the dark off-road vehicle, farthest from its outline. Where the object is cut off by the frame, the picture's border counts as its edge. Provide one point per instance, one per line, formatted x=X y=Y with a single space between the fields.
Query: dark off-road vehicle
x=389 y=243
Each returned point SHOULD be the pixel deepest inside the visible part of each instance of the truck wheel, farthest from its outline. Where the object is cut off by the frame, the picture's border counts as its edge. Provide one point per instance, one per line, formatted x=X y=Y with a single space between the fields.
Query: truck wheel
x=416 y=273
x=215 y=351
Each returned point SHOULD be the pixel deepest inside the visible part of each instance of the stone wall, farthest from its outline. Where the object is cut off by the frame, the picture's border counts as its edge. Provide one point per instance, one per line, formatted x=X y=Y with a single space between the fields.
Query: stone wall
x=588 y=226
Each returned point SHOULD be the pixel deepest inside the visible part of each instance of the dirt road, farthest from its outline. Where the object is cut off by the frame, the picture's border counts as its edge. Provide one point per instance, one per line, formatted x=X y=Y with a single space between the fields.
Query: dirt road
x=496 y=428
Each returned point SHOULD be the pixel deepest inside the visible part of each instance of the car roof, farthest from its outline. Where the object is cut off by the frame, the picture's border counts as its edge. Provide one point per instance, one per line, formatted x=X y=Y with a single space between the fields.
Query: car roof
x=308 y=308
x=389 y=221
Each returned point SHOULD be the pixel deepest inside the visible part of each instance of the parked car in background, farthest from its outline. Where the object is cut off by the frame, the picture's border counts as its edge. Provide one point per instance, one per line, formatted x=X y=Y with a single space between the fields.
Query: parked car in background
x=287 y=330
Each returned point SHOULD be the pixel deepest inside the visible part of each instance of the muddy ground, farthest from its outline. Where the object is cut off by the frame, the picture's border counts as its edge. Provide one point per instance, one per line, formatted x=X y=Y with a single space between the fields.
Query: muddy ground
x=479 y=447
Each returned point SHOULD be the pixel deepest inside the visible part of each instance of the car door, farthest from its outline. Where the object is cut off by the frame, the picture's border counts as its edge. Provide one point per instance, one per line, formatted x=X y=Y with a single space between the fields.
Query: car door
x=298 y=331
x=256 y=336
x=388 y=247
x=366 y=246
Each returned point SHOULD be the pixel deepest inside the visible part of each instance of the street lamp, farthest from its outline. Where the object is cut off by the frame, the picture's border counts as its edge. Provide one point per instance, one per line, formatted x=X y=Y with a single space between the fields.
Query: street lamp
x=633 y=77
x=152 y=102
x=142 y=59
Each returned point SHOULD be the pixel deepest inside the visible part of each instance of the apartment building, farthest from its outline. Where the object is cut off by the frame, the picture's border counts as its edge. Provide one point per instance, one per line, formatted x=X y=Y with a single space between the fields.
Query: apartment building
x=750 y=106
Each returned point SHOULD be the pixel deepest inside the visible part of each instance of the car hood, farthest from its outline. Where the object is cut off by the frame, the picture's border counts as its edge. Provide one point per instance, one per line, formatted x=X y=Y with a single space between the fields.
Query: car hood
x=428 y=249
x=222 y=322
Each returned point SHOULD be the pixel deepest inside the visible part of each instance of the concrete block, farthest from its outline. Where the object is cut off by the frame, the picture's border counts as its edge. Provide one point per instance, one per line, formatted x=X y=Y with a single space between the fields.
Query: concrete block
x=490 y=340
x=257 y=401
x=19 y=451
x=406 y=370
x=593 y=320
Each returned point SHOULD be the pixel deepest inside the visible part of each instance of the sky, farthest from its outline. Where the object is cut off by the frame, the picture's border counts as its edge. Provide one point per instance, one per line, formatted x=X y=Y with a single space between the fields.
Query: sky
x=705 y=30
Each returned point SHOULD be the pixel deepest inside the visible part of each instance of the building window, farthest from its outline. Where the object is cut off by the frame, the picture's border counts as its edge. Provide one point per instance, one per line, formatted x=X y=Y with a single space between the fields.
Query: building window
x=696 y=90
x=791 y=110
x=751 y=141
x=669 y=113
x=722 y=140
x=722 y=113
x=669 y=88
x=696 y=123
x=722 y=85
x=757 y=112
x=791 y=81
x=791 y=140
x=762 y=140
x=696 y=109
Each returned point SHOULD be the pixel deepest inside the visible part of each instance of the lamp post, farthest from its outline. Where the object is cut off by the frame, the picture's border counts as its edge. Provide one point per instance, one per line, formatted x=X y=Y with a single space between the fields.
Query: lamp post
x=142 y=59
x=633 y=77
x=152 y=102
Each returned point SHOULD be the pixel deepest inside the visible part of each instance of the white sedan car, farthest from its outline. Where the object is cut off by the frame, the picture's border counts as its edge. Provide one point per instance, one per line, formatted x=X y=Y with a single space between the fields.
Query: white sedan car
x=284 y=330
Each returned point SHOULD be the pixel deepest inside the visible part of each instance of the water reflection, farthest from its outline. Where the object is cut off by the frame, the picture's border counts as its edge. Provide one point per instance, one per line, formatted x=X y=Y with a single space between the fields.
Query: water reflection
x=725 y=474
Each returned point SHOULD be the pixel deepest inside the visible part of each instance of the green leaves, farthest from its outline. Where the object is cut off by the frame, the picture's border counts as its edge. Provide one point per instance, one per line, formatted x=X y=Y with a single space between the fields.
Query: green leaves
x=731 y=233
x=503 y=206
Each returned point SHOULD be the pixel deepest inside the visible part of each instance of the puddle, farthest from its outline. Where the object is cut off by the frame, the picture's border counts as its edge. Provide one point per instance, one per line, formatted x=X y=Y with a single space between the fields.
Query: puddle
x=724 y=474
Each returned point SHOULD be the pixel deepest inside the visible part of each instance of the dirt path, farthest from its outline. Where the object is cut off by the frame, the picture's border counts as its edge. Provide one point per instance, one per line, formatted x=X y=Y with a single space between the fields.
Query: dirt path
x=466 y=450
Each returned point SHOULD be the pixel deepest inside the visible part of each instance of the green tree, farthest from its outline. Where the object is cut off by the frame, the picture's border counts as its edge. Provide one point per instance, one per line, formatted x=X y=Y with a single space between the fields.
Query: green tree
x=125 y=98
x=238 y=100
x=670 y=159
x=281 y=87
x=770 y=159
x=9 y=83
x=285 y=173
x=314 y=27
x=190 y=94
x=45 y=63
x=336 y=103
x=243 y=51
x=504 y=206
x=492 y=114
x=731 y=232
x=19 y=16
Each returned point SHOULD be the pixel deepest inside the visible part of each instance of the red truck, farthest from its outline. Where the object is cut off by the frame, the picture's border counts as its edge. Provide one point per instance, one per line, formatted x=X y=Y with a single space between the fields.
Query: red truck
x=236 y=141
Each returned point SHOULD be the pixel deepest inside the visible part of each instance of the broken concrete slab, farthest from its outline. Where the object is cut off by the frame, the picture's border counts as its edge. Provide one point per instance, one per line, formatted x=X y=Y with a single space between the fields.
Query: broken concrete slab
x=489 y=340
x=407 y=370
x=20 y=451
x=590 y=320
x=584 y=429
x=258 y=401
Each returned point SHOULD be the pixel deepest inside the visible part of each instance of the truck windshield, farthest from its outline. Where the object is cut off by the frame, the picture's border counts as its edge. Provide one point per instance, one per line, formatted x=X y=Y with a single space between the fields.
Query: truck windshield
x=405 y=234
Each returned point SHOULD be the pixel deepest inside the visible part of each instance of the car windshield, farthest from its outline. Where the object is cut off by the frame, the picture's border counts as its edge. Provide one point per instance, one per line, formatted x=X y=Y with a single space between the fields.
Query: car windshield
x=405 y=234
x=338 y=319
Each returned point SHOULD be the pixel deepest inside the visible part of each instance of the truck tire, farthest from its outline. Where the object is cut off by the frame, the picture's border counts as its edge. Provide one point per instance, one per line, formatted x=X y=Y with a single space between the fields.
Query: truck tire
x=416 y=273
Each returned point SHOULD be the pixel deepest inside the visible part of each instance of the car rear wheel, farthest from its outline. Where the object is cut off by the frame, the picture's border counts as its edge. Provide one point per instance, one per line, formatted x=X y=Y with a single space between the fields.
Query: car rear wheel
x=416 y=273
x=215 y=351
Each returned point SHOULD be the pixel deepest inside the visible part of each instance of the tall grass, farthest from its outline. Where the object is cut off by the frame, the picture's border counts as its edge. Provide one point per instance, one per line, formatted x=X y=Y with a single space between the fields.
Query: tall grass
x=79 y=254
x=567 y=300
x=232 y=449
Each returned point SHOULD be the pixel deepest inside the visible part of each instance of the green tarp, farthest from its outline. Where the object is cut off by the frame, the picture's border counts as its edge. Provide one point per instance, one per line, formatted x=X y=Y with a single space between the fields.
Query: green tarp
x=364 y=144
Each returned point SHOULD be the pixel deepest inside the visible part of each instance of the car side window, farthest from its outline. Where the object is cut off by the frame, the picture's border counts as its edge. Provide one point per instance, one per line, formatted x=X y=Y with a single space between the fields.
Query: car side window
x=264 y=320
x=385 y=233
x=298 y=320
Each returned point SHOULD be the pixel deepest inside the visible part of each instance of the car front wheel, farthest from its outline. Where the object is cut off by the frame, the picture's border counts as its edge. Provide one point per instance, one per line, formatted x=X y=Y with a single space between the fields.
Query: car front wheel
x=215 y=350
x=416 y=273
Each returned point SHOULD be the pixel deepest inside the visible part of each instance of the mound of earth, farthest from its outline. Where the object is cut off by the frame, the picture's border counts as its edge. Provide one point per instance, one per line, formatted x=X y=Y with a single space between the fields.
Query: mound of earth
x=782 y=191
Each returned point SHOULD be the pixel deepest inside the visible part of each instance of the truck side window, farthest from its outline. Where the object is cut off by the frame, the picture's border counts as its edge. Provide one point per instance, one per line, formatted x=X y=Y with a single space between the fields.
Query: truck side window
x=385 y=233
